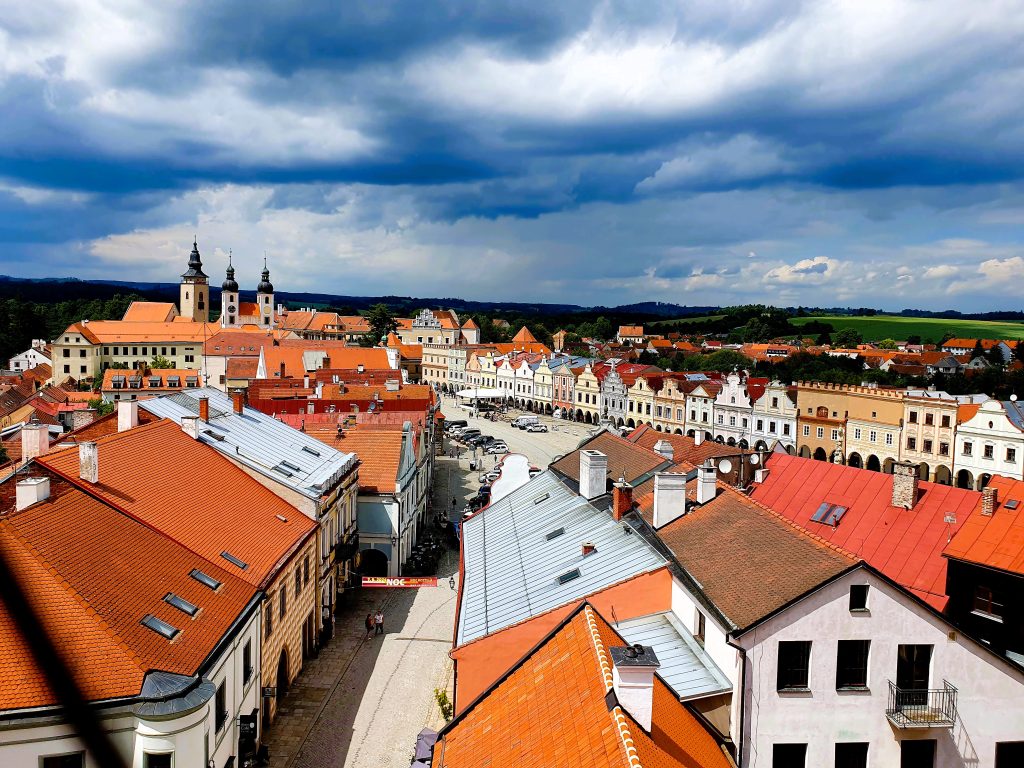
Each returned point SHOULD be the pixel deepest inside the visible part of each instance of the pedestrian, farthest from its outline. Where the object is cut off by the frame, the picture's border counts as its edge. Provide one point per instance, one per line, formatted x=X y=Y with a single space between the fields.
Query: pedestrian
x=378 y=622
x=369 y=625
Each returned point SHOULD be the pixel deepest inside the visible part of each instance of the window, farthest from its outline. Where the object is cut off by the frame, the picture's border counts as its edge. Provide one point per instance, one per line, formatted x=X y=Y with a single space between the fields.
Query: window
x=732 y=421
x=70 y=760
x=247 y=662
x=888 y=438
x=789 y=755
x=911 y=443
x=159 y=626
x=760 y=425
x=221 y=713
x=181 y=604
x=807 y=431
x=157 y=759
x=913 y=417
x=929 y=419
x=856 y=433
x=859 y=597
x=1009 y=753
x=945 y=420
x=771 y=427
x=968 y=449
x=927 y=446
x=852 y=754
x=81 y=353
x=785 y=429
x=985 y=603
x=917 y=753
x=268 y=623
x=821 y=432
x=298 y=581
x=989 y=452
x=775 y=402
x=82 y=369
x=698 y=627
x=835 y=434
x=852 y=664
x=190 y=358
x=943 y=449
x=283 y=599
x=794 y=663
x=135 y=351
x=693 y=415
x=67 y=369
x=1011 y=455
x=305 y=569
x=67 y=352
x=144 y=351
x=721 y=419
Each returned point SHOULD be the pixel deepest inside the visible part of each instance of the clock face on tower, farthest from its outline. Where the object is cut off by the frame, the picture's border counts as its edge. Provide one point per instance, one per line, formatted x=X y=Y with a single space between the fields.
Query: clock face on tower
x=231 y=308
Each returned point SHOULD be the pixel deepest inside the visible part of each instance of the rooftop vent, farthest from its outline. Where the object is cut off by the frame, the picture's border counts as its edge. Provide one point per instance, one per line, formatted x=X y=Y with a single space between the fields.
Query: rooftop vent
x=159 y=626
x=282 y=518
x=542 y=497
x=313 y=451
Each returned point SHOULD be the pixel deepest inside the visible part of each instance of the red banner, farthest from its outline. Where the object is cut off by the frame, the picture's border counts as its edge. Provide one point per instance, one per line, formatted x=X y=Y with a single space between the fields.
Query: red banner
x=406 y=582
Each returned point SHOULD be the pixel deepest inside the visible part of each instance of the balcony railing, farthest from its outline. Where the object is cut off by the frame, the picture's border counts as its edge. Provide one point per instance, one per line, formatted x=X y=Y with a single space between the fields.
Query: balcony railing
x=922 y=708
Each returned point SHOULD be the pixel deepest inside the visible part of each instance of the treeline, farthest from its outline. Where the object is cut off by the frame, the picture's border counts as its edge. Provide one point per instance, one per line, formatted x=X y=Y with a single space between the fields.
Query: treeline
x=22 y=320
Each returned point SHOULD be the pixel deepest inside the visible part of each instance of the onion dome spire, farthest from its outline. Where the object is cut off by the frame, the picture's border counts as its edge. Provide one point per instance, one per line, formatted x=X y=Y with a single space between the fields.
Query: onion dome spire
x=230 y=284
x=265 y=285
x=195 y=263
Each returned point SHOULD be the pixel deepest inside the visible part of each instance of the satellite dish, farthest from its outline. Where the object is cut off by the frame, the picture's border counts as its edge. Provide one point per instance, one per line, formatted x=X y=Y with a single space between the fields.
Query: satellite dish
x=725 y=466
x=1013 y=398
x=755 y=459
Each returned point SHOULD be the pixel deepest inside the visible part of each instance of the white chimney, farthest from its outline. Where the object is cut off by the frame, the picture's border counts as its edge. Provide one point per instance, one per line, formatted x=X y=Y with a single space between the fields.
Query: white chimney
x=305 y=381
x=190 y=426
x=665 y=449
x=706 y=477
x=698 y=437
x=35 y=441
x=633 y=681
x=127 y=415
x=760 y=475
x=593 y=474
x=669 y=498
x=89 y=462
x=31 y=491
x=391 y=385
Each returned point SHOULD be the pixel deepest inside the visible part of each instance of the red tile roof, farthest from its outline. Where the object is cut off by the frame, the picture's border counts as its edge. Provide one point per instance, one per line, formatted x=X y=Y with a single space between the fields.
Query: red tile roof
x=551 y=710
x=905 y=545
x=179 y=486
x=685 y=450
x=150 y=312
x=524 y=337
x=625 y=459
x=995 y=541
x=379 y=450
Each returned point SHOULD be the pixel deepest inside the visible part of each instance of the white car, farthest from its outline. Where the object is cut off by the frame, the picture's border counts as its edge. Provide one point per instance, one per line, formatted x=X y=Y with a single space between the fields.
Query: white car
x=497 y=448
x=536 y=428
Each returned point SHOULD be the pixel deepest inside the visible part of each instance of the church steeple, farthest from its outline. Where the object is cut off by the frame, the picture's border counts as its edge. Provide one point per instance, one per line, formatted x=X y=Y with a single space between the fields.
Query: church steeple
x=230 y=284
x=265 y=298
x=229 y=307
x=195 y=289
x=195 y=263
x=265 y=286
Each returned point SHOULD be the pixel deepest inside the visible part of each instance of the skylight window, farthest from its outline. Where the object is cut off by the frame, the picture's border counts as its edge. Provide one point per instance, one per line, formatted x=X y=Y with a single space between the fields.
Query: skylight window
x=204 y=579
x=281 y=470
x=828 y=514
x=291 y=466
x=159 y=626
x=215 y=435
x=1012 y=503
x=556 y=533
x=313 y=451
x=181 y=604
x=565 y=578
x=234 y=560
x=542 y=497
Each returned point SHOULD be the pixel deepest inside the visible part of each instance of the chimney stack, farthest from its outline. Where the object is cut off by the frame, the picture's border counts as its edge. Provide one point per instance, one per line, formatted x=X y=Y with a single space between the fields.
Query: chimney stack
x=35 y=440
x=31 y=491
x=669 y=498
x=622 y=499
x=127 y=415
x=305 y=381
x=360 y=368
x=665 y=450
x=190 y=426
x=989 y=497
x=204 y=408
x=281 y=373
x=706 y=482
x=89 y=462
x=698 y=437
x=588 y=548
x=904 y=484
x=237 y=402
x=593 y=474
x=633 y=681
x=760 y=475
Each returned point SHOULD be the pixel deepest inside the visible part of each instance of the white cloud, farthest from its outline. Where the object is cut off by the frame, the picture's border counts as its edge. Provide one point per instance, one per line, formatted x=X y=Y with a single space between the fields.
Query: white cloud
x=740 y=158
x=816 y=271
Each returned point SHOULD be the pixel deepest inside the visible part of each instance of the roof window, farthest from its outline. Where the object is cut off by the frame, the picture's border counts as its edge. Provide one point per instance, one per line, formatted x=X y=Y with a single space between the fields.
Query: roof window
x=556 y=533
x=204 y=579
x=282 y=518
x=155 y=381
x=215 y=435
x=313 y=451
x=291 y=466
x=181 y=604
x=282 y=471
x=159 y=626
x=1012 y=503
x=572 y=575
x=828 y=514
x=542 y=497
x=234 y=560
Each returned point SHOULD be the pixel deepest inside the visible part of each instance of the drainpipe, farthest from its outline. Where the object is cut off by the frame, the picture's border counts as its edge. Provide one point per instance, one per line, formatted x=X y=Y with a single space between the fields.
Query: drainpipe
x=743 y=709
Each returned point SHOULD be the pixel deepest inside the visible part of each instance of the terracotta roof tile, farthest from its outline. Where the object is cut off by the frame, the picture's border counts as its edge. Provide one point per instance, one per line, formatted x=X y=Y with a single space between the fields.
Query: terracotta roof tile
x=379 y=451
x=625 y=459
x=685 y=450
x=995 y=541
x=150 y=312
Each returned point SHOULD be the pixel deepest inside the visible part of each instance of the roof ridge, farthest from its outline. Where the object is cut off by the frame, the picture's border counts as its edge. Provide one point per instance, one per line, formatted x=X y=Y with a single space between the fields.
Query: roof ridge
x=628 y=745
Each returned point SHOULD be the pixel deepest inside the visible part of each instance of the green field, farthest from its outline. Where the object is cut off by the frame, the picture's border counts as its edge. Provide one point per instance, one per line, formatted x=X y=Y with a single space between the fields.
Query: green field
x=877 y=327
x=686 y=320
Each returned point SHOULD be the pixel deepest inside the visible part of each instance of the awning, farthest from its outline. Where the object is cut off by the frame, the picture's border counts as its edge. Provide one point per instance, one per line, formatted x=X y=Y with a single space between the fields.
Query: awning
x=481 y=393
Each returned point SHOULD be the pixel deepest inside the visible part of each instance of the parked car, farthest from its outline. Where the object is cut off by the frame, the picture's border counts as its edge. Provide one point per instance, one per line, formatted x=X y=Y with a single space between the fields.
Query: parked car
x=450 y=425
x=524 y=421
x=468 y=434
x=497 y=447
x=536 y=428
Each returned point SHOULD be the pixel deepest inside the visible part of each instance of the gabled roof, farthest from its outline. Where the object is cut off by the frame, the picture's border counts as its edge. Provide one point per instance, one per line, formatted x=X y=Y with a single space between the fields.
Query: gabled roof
x=631 y=330
x=970 y=343
x=93 y=574
x=379 y=451
x=905 y=545
x=995 y=541
x=524 y=337
x=685 y=450
x=748 y=560
x=524 y=560
x=150 y=312
x=176 y=485
x=471 y=324
x=625 y=459
x=556 y=708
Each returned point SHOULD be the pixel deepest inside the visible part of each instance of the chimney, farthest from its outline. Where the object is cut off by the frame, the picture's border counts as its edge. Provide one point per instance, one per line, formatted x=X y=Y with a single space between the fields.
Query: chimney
x=588 y=548
x=669 y=498
x=760 y=475
x=989 y=497
x=622 y=499
x=698 y=437
x=204 y=408
x=706 y=482
x=391 y=385
x=35 y=440
x=82 y=418
x=360 y=368
x=633 y=681
x=281 y=371
x=904 y=484
x=89 y=462
x=305 y=381
x=665 y=449
x=31 y=491
x=190 y=426
x=237 y=402
x=127 y=415
x=593 y=474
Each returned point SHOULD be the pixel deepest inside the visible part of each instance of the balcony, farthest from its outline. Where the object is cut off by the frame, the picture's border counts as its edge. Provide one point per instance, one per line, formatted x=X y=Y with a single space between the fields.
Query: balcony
x=921 y=708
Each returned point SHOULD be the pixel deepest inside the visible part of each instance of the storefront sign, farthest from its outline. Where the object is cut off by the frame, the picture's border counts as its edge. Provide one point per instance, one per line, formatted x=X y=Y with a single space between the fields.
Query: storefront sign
x=407 y=582
x=269 y=691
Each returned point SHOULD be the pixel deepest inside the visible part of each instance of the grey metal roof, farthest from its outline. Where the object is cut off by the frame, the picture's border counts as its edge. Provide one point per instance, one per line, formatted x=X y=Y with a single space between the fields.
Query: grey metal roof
x=1015 y=413
x=685 y=666
x=512 y=568
x=259 y=441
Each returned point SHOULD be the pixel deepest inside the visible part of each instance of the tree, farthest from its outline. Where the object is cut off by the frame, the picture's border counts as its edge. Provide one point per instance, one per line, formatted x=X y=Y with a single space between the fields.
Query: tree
x=994 y=356
x=887 y=344
x=913 y=339
x=102 y=407
x=847 y=338
x=978 y=351
x=159 y=361
x=381 y=322
x=725 y=360
x=1018 y=351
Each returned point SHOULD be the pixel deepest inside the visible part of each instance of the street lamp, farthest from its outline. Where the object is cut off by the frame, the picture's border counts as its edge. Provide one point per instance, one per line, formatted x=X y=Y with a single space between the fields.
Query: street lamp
x=396 y=543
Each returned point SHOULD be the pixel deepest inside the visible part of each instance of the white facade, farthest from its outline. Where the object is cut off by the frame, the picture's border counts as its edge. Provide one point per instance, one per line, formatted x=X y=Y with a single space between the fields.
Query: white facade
x=773 y=418
x=989 y=693
x=30 y=358
x=990 y=443
x=733 y=412
x=700 y=412
x=524 y=372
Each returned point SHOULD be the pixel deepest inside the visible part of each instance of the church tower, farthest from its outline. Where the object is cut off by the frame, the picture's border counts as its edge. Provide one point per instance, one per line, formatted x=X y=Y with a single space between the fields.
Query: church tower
x=265 y=298
x=229 y=307
x=195 y=289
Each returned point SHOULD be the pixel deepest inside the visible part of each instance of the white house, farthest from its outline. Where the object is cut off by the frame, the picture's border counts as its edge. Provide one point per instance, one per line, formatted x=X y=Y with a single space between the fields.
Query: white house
x=990 y=443
x=35 y=355
x=700 y=409
x=733 y=412
x=773 y=418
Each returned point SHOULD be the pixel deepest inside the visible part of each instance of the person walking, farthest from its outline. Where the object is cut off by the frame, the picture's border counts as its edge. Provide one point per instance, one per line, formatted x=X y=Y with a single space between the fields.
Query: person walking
x=378 y=621
x=369 y=625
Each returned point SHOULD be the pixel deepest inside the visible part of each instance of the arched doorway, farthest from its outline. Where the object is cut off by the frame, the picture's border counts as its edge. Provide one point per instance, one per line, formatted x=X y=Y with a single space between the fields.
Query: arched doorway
x=855 y=461
x=873 y=464
x=579 y=415
x=373 y=562
x=760 y=445
x=743 y=444
x=731 y=441
x=964 y=479
x=658 y=428
x=707 y=435
x=942 y=475
x=805 y=452
x=631 y=424
x=719 y=439
x=923 y=471
x=820 y=455
x=983 y=480
x=691 y=433
x=888 y=465
x=282 y=674
x=677 y=431
x=791 y=450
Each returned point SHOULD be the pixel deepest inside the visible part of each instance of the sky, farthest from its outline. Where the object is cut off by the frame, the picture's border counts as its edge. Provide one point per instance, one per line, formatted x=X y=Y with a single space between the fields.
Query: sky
x=705 y=152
